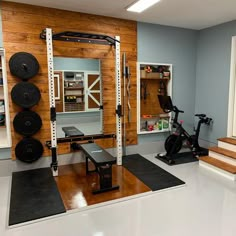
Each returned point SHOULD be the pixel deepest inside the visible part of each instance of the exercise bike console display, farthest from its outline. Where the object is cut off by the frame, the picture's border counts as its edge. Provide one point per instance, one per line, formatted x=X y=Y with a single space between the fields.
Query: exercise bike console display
x=165 y=103
x=174 y=141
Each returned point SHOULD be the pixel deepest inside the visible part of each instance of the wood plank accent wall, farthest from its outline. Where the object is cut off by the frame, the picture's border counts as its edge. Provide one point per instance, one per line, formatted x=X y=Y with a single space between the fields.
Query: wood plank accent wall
x=22 y=25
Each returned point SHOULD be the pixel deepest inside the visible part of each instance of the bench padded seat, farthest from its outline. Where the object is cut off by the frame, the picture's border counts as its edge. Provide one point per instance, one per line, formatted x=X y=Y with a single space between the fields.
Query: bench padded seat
x=97 y=154
x=71 y=131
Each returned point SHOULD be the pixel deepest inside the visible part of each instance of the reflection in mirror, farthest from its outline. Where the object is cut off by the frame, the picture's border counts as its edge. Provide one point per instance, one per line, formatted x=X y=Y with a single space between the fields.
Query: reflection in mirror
x=78 y=94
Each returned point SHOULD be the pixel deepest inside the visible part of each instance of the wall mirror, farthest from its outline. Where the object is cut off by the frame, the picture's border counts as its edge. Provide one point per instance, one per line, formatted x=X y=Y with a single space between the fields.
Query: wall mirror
x=78 y=94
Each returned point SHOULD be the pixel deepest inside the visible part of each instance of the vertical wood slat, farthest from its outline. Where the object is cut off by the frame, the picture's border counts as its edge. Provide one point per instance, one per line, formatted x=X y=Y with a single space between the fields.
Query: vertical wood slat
x=22 y=25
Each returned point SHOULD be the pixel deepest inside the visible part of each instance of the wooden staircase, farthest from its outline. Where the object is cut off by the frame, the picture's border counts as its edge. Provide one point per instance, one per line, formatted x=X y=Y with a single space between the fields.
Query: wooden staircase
x=222 y=158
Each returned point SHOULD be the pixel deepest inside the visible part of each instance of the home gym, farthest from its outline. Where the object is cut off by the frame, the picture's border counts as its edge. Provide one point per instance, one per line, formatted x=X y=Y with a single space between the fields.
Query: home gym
x=107 y=119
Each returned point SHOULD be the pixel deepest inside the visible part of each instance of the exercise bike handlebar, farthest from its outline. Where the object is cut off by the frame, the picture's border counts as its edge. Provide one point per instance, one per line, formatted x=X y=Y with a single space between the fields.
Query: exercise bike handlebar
x=176 y=111
x=206 y=120
x=203 y=119
x=200 y=115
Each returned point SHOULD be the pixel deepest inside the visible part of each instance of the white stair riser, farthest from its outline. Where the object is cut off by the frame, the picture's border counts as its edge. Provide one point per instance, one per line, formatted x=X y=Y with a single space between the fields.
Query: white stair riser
x=228 y=146
x=222 y=157
x=217 y=170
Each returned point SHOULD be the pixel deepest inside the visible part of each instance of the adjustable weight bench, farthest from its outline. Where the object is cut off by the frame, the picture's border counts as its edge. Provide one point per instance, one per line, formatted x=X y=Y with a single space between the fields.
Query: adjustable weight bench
x=103 y=162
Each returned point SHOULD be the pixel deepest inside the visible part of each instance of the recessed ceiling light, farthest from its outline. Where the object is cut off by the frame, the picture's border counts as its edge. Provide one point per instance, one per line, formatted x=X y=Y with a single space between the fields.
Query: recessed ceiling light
x=141 y=5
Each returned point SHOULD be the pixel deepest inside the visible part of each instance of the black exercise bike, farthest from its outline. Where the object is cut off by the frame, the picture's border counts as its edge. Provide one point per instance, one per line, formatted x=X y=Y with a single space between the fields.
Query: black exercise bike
x=174 y=142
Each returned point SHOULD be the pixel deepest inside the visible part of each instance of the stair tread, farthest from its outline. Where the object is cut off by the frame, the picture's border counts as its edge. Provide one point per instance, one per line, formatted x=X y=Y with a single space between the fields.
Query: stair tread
x=228 y=140
x=220 y=164
x=223 y=151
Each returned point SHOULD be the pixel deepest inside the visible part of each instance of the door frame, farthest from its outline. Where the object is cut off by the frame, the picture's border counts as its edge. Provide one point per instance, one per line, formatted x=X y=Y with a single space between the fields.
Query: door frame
x=232 y=89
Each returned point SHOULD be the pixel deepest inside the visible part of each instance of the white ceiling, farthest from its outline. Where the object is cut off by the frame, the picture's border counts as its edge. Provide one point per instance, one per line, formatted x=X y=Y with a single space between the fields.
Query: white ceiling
x=191 y=14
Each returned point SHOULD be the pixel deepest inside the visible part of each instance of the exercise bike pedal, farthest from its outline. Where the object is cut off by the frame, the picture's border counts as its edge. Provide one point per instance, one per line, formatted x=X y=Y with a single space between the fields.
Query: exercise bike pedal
x=160 y=155
x=171 y=162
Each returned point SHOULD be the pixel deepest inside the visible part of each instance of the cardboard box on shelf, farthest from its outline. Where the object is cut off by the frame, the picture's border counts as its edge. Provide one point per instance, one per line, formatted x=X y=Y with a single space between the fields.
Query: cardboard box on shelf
x=150 y=75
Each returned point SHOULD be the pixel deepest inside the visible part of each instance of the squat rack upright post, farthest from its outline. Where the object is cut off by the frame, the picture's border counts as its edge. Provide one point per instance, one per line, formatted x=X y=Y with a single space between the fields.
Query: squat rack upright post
x=69 y=36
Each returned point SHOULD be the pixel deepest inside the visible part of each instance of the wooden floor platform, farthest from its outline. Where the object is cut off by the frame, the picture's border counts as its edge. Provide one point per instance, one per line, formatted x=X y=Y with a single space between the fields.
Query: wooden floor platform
x=76 y=187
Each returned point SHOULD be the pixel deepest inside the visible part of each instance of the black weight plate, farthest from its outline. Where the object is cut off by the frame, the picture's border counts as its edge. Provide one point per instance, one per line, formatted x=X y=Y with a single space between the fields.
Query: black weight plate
x=29 y=150
x=25 y=94
x=27 y=123
x=23 y=65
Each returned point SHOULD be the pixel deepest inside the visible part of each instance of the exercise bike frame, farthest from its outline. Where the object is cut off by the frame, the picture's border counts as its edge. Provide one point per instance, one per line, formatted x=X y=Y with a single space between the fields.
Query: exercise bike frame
x=181 y=135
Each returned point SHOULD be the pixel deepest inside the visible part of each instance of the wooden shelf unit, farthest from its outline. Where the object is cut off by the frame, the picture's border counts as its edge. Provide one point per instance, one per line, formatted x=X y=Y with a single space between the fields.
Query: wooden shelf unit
x=73 y=88
x=156 y=81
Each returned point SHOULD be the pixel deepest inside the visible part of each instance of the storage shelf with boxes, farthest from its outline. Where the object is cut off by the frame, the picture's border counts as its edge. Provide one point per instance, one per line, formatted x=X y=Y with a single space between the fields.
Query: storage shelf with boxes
x=153 y=79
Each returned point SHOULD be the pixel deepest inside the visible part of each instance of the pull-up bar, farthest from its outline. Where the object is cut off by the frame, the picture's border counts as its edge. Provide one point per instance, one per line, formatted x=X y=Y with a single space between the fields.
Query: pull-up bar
x=80 y=37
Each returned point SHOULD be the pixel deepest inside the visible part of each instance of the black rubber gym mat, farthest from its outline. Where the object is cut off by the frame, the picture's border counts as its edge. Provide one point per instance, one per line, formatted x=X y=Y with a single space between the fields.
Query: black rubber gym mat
x=150 y=174
x=180 y=158
x=34 y=194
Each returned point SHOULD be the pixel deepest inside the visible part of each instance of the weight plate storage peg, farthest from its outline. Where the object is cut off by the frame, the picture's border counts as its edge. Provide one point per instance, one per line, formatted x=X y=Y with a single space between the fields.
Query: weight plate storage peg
x=29 y=150
x=23 y=65
x=25 y=94
x=27 y=123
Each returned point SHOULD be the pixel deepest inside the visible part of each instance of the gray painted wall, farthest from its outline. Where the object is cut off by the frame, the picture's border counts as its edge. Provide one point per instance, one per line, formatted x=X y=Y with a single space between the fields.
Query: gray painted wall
x=212 y=77
x=177 y=46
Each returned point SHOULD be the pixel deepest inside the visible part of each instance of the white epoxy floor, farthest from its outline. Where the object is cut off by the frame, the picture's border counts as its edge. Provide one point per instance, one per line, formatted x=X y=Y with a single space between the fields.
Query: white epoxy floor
x=205 y=206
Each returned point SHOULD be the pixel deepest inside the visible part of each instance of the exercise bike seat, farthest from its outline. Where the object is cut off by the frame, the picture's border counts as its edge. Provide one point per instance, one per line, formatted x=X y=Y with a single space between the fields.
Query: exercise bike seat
x=200 y=115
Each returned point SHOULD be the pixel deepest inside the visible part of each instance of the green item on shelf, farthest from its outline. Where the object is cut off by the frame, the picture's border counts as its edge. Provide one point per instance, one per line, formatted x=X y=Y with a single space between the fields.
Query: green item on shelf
x=165 y=124
x=160 y=124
